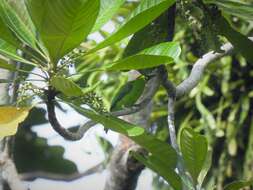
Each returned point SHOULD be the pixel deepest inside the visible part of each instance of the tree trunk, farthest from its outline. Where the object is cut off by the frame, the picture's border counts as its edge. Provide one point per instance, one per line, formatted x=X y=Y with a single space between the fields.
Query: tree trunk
x=123 y=169
x=4 y=99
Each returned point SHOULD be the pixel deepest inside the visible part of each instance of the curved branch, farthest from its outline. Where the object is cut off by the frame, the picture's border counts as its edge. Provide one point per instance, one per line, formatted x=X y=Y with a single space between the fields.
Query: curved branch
x=152 y=86
x=199 y=67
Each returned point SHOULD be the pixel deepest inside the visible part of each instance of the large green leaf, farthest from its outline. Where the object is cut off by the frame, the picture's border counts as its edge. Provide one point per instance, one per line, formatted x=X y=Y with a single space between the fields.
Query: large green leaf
x=162 y=53
x=128 y=94
x=15 y=23
x=160 y=168
x=194 y=151
x=10 y=52
x=238 y=185
x=6 y=34
x=146 y=12
x=20 y=9
x=107 y=9
x=238 y=8
x=165 y=152
x=240 y=42
x=63 y=24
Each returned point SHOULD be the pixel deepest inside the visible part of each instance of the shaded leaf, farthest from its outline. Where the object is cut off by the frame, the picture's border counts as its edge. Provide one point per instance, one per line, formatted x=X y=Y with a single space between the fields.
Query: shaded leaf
x=146 y=12
x=156 y=165
x=240 y=42
x=5 y=65
x=62 y=24
x=128 y=94
x=238 y=185
x=154 y=33
x=194 y=151
x=10 y=52
x=234 y=7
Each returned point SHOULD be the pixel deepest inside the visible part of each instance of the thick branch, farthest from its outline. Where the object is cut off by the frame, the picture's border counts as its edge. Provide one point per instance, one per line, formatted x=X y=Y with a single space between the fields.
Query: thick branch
x=61 y=177
x=151 y=88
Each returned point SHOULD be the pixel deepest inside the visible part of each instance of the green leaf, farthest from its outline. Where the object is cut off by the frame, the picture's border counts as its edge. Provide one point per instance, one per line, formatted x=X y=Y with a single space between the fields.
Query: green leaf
x=128 y=94
x=206 y=167
x=6 y=34
x=20 y=9
x=70 y=88
x=194 y=151
x=156 y=165
x=146 y=12
x=163 y=53
x=16 y=24
x=10 y=52
x=152 y=34
x=5 y=65
x=107 y=9
x=236 y=185
x=240 y=42
x=62 y=24
x=156 y=147
x=66 y=86
x=237 y=8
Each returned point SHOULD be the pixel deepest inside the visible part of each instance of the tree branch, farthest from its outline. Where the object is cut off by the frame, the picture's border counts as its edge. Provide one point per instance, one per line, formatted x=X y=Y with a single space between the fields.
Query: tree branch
x=61 y=177
x=151 y=88
x=199 y=67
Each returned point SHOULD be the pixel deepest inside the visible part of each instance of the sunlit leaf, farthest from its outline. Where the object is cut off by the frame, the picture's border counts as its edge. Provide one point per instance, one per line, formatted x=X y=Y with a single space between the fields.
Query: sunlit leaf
x=146 y=12
x=163 y=53
x=15 y=23
x=6 y=34
x=136 y=133
x=66 y=86
x=62 y=24
x=10 y=117
x=107 y=9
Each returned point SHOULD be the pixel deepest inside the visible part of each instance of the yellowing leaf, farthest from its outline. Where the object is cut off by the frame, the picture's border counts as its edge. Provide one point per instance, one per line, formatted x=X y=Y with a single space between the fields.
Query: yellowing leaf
x=10 y=117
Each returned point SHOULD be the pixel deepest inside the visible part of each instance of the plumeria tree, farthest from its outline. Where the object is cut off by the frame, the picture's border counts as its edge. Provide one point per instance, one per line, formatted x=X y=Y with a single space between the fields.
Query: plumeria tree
x=42 y=40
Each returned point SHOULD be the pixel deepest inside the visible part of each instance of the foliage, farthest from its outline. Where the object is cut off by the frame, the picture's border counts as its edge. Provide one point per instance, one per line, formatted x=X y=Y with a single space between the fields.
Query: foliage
x=51 y=36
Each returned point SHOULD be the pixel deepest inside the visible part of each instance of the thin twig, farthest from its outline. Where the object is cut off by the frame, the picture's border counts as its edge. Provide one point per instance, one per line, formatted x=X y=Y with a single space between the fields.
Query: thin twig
x=152 y=86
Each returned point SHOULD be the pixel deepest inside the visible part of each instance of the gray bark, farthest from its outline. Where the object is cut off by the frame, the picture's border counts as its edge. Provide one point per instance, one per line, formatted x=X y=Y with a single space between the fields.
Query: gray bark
x=124 y=170
x=4 y=99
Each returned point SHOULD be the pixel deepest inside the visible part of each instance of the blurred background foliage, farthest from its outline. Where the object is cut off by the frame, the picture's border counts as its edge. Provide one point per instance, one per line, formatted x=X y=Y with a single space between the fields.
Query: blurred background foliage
x=220 y=107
